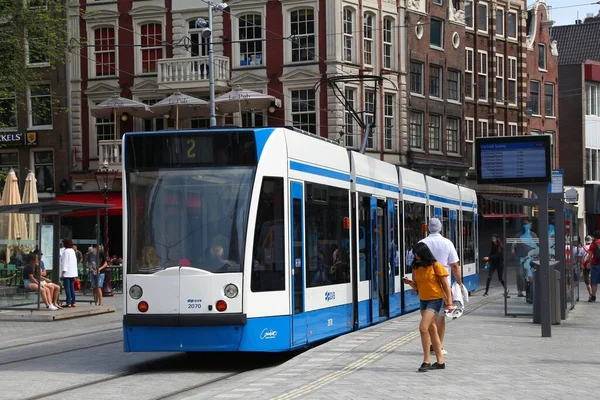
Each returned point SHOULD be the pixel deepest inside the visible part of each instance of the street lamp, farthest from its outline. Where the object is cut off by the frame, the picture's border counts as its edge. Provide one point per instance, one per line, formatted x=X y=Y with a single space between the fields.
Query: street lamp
x=207 y=34
x=105 y=179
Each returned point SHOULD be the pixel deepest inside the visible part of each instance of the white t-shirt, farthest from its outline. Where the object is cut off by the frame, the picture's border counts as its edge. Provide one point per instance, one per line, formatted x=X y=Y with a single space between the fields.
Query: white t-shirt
x=442 y=249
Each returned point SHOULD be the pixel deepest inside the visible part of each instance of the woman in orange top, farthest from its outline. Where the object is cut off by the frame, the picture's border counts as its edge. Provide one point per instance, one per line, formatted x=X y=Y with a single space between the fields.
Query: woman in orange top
x=431 y=283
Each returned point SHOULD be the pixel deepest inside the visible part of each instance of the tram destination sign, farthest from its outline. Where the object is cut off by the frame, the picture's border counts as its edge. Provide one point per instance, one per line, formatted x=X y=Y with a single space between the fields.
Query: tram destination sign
x=513 y=160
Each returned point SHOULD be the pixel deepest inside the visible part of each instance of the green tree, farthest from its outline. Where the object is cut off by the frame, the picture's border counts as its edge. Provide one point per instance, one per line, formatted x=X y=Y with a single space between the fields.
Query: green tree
x=33 y=39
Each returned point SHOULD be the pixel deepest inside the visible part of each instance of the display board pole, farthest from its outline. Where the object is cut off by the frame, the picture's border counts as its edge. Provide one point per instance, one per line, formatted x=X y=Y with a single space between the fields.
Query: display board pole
x=541 y=191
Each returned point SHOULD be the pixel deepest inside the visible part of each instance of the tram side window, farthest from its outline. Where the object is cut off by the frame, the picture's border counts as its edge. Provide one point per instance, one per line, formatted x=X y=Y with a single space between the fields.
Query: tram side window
x=469 y=237
x=327 y=235
x=414 y=218
x=268 y=256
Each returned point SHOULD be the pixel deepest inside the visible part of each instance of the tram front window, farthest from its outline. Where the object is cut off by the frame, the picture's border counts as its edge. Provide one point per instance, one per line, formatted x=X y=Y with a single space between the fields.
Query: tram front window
x=188 y=217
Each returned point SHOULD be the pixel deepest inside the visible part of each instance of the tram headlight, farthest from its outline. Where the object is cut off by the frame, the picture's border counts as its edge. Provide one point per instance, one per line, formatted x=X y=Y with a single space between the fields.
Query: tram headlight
x=135 y=292
x=231 y=291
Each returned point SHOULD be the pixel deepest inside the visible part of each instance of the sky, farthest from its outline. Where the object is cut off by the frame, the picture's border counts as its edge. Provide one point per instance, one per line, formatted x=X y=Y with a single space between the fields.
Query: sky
x=565 y=11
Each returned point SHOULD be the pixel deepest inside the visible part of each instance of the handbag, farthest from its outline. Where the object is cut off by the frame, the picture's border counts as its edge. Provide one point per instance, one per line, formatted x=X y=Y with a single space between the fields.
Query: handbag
x=77 y=284
x=486 y=266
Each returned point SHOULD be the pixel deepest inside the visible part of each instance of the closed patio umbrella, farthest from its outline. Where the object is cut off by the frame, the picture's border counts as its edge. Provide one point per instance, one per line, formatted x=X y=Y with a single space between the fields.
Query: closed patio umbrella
x=30 y=196
x=13 y=225
x=182 y=105
x=244 y=100
x=117 y=105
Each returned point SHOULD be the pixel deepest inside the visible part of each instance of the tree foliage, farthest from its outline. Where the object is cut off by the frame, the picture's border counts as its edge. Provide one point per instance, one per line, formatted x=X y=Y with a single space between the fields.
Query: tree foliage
x=33 y=39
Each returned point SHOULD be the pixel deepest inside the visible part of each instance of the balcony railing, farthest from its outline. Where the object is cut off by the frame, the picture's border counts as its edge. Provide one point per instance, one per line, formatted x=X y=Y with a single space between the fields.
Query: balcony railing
x=178 y=73
x=111 y=151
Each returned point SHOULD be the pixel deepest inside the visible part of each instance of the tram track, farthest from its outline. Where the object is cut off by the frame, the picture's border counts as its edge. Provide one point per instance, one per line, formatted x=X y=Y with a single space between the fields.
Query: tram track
x=39 y=339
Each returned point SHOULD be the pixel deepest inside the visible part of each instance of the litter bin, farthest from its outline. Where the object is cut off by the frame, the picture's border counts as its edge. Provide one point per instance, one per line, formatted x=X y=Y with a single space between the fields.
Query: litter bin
x=554 y=298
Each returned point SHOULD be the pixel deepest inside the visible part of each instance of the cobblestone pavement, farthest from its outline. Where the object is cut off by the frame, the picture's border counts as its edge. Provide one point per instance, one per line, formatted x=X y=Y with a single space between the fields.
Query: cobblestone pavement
x=20 y=333
x=490 y=356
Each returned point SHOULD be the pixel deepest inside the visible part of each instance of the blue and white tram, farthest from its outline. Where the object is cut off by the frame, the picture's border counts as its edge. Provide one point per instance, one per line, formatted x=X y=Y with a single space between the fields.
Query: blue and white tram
x=268 y=239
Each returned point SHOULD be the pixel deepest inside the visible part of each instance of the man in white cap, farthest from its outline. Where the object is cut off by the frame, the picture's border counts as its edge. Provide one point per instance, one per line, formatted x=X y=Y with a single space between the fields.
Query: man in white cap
x=445 y=253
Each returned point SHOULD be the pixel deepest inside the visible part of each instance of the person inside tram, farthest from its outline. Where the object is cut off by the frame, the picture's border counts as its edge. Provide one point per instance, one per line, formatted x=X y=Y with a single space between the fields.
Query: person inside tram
x=218 y=249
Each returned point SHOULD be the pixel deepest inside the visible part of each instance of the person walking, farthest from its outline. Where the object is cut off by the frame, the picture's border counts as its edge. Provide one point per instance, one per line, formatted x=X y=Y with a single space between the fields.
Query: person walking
x=431 y=283
x=586 y=266
x=68 y=267
x=444 y=252
x=496 y=263
x=595 y=261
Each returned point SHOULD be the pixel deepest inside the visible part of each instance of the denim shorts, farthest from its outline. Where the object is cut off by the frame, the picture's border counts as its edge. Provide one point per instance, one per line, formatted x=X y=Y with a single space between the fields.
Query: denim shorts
x=595 y=274
x=97 y=280
x=436 y=306
x=26 y=283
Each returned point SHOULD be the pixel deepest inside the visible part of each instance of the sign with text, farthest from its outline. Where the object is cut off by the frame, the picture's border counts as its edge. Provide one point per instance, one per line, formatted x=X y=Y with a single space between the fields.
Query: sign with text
x=16 y=139
x=513 y=160
x=557 y=186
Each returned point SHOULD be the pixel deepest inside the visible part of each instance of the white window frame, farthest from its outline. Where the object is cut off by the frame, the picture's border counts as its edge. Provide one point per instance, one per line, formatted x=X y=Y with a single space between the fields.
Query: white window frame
x=389 y=101
x=483 y=126
x=289 y=33
x=35 y=64
x=508 y=33
x=290 y=113
x=469 y=129
x=500 y=83
x=539 y=97
x=8 y=167
x=350 y=125
x=369 y=113
x=513 y=129
x=29 y=108
x=92 y=50
x=238 y=43
x=470 y=58
x=472 y=26
x=500 y=132
x=483 y=70
x=44 y=194
x=348 y=34
x=369 y=35
x=487 y=19
x=14 y=127
x=545 y=66
x=137 y=37
x=433 y=46
x=151 y=100
x=94 y=141
x=512 y=80
x=388 y=46
x=501 y=11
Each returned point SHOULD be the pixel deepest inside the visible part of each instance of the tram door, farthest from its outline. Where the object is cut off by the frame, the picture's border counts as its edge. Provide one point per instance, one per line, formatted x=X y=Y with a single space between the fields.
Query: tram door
x=392 y=254
x=379 y=270
x=299 y=321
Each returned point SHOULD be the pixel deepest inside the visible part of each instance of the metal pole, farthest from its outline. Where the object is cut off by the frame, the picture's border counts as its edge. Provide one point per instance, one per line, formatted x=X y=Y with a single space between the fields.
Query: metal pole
x=544 y=269
x=211 y=65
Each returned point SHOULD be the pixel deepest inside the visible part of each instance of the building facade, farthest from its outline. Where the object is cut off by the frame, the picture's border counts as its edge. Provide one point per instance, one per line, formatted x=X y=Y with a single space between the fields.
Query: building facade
x=436 y=48
x=35 y=136
x=542 y=71
x=579 y=103
x=495 y=81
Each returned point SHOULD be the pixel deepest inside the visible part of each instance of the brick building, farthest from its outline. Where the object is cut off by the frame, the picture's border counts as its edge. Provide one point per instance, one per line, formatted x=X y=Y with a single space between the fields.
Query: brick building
x=36 y=137
x=436 y=48
x=579 y=102
x=495 y=80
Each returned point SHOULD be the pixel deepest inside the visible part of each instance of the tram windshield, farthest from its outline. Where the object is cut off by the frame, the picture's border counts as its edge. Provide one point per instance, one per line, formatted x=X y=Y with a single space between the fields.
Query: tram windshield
x=193 y=217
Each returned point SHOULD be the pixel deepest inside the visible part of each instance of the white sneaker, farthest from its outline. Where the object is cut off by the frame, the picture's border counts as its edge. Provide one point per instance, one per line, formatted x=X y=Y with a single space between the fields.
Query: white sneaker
x=444 y=352
x=52 y=307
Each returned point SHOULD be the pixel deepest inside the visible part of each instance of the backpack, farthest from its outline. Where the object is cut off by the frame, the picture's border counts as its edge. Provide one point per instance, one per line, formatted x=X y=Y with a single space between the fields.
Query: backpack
x=596 y=253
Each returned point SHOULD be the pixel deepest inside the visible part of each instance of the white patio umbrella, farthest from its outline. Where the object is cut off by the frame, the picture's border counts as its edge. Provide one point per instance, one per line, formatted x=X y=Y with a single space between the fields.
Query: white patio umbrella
x=30 y=196
x=244 y=100
x=119 y=105
x=182 y=105
x=13 y=225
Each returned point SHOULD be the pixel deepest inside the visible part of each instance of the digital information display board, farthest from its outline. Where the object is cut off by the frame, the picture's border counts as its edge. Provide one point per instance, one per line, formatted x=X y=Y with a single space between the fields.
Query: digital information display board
x=513 y=160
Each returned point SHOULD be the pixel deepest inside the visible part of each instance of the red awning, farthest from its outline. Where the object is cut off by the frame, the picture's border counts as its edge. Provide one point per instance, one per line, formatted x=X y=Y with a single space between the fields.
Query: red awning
x=497 y=216
x=115 y=199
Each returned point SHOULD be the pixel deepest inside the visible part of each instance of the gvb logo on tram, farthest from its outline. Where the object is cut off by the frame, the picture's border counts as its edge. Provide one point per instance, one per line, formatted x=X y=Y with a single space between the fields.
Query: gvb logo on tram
x=329 y=296
x=268 y=334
